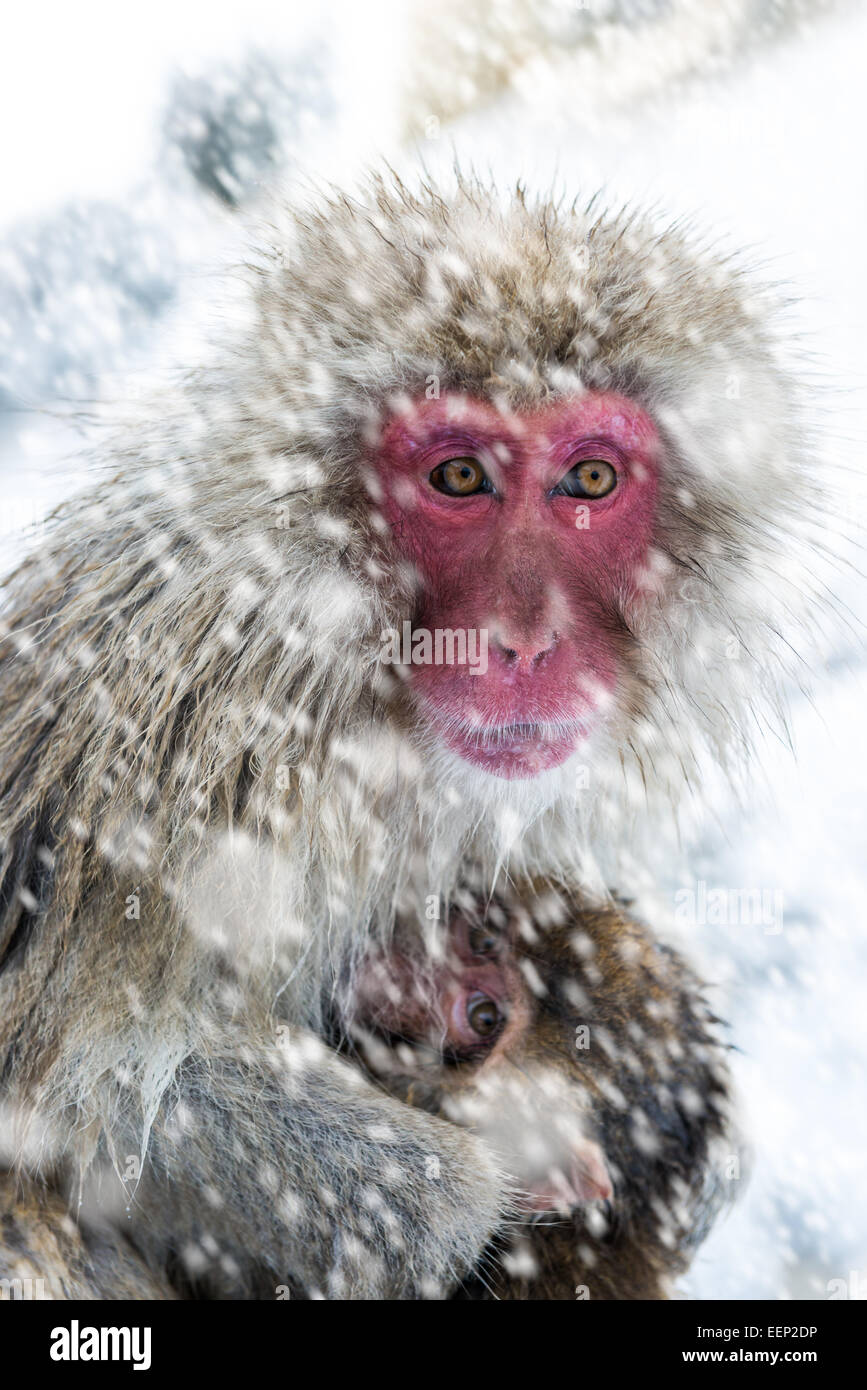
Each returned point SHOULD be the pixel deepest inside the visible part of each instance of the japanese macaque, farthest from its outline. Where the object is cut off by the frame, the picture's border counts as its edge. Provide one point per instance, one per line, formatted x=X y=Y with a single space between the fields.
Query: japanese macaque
x=466 y=411
x=584 y=1054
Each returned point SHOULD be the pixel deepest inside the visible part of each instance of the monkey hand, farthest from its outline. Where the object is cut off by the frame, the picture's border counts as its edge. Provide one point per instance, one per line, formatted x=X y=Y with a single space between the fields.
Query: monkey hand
x=583 y=1178
x=290 y=1170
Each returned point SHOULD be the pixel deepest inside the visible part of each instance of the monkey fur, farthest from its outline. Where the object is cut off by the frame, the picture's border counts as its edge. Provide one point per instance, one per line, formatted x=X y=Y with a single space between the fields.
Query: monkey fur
x=214 y=796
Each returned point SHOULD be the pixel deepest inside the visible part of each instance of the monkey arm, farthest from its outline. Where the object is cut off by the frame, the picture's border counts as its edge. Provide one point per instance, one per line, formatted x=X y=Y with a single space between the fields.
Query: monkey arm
x=288 y=1169
x=268 y=1163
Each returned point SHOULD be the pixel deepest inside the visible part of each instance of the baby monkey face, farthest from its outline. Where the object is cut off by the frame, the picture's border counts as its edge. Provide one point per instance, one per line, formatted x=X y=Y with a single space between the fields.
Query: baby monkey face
x=479 y=1030
x=462 y=1001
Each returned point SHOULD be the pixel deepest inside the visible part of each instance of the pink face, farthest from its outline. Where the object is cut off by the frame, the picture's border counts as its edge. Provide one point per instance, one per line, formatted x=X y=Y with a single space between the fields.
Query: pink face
x=472 y=1005
x=529 y=531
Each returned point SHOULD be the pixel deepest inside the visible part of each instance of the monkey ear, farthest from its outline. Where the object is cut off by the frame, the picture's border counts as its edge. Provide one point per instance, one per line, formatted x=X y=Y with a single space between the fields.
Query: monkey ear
x=584 y=1178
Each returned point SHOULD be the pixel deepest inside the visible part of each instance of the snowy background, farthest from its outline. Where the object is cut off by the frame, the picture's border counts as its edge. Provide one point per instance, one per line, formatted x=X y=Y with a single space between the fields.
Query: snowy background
x=137 y=146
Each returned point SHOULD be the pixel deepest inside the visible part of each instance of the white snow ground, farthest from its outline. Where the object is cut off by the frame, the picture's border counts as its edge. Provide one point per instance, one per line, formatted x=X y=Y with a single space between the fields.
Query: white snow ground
x=772 y=156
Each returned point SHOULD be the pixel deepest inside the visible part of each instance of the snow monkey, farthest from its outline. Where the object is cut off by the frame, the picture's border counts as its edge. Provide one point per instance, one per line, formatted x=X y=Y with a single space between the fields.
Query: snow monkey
x=583 y=1052
x=468 y=539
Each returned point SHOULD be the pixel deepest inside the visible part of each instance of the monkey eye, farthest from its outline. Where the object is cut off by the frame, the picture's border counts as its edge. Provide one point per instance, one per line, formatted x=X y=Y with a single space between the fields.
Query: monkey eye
x=589 y=478
x=481 y=941
x=460 y=477
x=483 y=1015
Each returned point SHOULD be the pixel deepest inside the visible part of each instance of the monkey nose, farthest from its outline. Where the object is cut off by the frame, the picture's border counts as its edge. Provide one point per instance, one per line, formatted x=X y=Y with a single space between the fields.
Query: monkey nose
x=524 y=655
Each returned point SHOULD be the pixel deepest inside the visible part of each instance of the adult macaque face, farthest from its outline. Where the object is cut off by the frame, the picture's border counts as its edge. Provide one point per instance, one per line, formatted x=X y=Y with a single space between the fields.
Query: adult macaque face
x=534 y=527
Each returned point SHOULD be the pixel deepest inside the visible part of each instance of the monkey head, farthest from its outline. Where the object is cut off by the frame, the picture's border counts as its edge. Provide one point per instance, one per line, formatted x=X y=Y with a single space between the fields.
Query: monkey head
x=558 y=456
x=460 y=1031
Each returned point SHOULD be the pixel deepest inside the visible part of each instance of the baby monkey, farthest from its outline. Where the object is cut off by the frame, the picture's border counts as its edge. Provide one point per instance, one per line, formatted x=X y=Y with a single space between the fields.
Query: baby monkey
x=581 y=1050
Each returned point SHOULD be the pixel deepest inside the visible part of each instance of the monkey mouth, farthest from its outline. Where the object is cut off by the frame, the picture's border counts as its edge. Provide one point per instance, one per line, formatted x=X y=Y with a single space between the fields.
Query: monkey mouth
x=517 y=750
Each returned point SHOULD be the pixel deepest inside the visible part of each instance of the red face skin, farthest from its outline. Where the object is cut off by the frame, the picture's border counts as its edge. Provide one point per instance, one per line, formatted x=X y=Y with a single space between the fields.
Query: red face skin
x=434 y=1006
x=512 y=561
